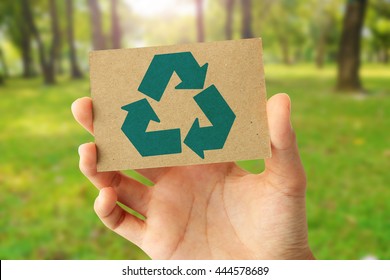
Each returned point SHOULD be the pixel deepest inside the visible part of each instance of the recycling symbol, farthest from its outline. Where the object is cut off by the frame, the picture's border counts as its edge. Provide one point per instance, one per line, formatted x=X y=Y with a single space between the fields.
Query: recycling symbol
x=210 y=101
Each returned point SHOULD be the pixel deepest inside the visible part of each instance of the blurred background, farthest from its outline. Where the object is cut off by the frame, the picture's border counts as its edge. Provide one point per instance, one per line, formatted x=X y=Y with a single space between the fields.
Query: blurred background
x=332 y=57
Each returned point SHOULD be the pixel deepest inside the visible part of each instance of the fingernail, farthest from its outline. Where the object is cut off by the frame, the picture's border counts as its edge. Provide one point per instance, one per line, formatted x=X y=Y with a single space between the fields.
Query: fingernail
x=71 y=106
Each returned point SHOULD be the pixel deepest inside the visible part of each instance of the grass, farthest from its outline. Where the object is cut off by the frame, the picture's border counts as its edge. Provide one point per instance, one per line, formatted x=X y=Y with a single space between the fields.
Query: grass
x=46 y=204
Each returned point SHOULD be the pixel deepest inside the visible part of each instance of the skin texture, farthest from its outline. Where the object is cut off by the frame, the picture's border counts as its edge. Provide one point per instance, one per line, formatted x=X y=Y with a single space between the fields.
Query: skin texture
x=213 y=211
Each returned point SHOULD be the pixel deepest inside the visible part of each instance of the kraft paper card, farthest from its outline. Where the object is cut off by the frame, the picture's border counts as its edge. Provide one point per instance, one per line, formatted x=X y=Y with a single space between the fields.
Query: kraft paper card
x=179 y=105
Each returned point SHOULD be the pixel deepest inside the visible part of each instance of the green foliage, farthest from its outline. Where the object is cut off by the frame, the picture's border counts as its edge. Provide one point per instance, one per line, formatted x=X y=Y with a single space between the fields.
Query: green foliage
x=293 y=30
x=378 y=21
x=47 y=205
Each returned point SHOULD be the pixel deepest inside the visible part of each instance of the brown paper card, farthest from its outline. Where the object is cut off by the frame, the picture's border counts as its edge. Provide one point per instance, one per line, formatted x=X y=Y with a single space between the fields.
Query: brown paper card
x=209 y=98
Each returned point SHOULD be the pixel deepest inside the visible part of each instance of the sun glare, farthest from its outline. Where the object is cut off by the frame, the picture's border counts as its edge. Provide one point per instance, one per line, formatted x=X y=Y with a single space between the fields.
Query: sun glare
x=151 y=8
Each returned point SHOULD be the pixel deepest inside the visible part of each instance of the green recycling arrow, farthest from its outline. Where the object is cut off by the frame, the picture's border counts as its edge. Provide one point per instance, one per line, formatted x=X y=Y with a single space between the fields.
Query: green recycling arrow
x=221 y=117
x=153 y=143
x=154 y=83
x=161 y=69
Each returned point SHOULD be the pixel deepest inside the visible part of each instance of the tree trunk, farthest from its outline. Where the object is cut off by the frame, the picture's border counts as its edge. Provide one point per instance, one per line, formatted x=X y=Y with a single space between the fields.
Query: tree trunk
x=59 y=59
x=47 y=65
x=20 y=34
x=59 y=35
x=246 y=29
x=3 y=68
x=3 y=63
x=59 y=66
x=229 y=19
x=349 y=49
x=75 y=71
x=28 y=70
x=284 y=45
x=385 y=55
x=25 y=47
x=199 y=20
x=98 y=38
x=53 y=55
x=320 y=52
x=323 y=40
x=27 y=14
x=115 y=25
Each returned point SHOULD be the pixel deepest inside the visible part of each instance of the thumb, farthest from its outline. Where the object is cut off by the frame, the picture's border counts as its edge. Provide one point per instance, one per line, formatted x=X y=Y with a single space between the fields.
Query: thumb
x=284 y=169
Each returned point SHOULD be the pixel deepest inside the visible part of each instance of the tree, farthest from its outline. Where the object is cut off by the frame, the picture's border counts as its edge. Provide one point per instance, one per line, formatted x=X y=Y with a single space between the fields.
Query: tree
x=261 y=10
x=75 y=71
x=287 y=29
x=3 y=64
x=19 y=33
x=98 y=38
x=246 y=28
x=55 y=43
x=382 y=7
x=382 y=41
x=199 y=20
x=116 y=31
x=323 y=28
x=59 y=58
x=47 y=63
x=25 y=47
x=349 y=48
x=379 y=24
x=3 y=68
x=229 y=19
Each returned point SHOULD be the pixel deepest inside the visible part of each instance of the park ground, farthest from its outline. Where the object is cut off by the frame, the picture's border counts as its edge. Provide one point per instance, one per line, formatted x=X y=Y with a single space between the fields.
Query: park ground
x=344 y=139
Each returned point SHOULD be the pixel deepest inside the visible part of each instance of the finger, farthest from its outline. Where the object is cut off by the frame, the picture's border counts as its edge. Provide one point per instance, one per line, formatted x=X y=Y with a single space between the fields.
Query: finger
x=116 y=218
x=130 y=192
x=284 y=167
x=82 y=112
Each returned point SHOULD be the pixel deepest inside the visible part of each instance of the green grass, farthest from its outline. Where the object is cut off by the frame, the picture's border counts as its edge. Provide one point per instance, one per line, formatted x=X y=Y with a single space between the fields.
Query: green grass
x=46 y=204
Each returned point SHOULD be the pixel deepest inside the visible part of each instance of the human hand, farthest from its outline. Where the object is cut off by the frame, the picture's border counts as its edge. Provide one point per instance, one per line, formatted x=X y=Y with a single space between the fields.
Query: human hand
x=213 y=211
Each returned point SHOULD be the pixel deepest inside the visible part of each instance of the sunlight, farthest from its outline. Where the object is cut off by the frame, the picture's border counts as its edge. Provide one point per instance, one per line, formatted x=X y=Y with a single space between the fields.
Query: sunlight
x=150 y=8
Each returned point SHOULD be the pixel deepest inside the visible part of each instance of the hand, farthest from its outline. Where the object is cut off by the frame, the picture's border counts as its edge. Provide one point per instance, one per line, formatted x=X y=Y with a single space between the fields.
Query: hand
x=213 y=211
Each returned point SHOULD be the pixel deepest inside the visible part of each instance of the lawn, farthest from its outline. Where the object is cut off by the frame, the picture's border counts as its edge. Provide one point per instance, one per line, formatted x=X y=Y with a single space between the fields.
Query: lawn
x=46 y=203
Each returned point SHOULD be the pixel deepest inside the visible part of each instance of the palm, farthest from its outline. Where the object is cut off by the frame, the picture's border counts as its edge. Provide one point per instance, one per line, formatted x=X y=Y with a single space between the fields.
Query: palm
x=224 y=213
x=215 y=211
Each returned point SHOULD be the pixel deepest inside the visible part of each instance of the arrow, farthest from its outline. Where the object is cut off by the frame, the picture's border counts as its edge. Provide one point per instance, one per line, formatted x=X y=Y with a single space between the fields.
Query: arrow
x=161 y=69
x=153 y=143
x=221 y=117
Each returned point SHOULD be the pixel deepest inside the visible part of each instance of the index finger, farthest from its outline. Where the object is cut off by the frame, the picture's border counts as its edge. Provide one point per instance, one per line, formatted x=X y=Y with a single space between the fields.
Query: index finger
x=82 y=112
